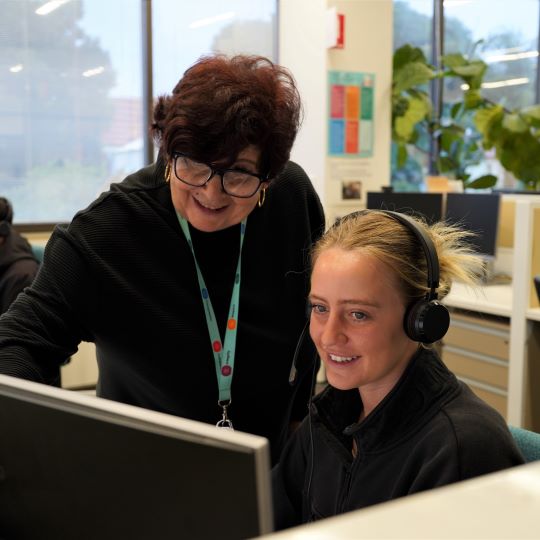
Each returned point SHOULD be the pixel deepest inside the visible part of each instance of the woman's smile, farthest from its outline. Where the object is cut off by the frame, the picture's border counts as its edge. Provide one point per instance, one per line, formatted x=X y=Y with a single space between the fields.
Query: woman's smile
x=208 y=208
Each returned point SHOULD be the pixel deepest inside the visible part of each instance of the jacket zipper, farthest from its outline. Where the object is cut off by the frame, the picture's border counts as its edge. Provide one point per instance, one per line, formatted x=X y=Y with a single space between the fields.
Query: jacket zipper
x=346 y=491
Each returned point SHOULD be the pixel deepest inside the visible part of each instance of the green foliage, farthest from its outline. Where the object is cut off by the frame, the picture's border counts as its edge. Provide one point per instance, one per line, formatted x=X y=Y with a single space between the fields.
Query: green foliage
x=411 y=105
x=470 y=126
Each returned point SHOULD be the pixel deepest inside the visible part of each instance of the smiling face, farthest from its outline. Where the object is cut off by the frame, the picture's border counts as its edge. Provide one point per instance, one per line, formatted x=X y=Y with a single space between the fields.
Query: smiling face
x=357 y=321
x=208 y=208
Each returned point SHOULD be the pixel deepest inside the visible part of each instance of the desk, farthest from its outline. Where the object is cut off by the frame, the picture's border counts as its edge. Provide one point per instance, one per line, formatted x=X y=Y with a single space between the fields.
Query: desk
x=519 y=305
x=498 y=505
x=491 y=299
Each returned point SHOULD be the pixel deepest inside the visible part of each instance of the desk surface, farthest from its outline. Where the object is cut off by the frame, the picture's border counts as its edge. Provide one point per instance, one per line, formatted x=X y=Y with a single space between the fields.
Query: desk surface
x=498 y=505
x=492 y=299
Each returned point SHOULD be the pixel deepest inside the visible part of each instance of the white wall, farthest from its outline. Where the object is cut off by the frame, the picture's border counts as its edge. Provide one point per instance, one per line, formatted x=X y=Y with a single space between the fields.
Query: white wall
x=368 y=49
x=302 y=31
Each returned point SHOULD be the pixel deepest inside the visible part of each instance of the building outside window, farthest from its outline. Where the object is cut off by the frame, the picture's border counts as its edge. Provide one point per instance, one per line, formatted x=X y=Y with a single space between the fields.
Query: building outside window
x=71 y=88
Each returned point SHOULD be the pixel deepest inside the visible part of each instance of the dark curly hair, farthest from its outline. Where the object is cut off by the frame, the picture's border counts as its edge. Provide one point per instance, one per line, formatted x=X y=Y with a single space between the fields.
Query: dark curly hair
x=223 y=104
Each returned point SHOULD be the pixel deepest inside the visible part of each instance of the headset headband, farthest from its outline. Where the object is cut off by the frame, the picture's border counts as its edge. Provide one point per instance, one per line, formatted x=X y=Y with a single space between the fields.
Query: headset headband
x=430 y=253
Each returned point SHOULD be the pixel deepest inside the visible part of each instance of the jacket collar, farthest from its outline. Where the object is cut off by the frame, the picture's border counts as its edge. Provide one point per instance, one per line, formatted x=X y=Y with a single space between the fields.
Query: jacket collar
x=425 y=386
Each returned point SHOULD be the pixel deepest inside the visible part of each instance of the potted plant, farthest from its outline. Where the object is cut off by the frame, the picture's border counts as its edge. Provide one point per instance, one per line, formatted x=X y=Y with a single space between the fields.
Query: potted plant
x=472 y=125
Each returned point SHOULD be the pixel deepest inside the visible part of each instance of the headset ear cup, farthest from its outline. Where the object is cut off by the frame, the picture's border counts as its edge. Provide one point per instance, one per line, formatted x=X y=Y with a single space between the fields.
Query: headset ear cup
x=426 y=321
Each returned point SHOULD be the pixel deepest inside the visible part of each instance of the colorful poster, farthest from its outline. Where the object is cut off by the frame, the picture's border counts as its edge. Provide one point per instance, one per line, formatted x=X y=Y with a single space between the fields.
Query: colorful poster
x=350 y=122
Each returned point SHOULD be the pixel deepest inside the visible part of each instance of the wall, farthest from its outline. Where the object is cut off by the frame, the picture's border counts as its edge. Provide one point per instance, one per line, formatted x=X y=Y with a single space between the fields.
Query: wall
x=302 y=34
x=367 y=49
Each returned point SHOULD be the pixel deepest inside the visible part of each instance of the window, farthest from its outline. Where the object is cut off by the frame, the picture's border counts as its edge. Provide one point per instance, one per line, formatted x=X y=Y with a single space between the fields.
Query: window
x=505 y=37
x=68 y=78
x=71 y=88
x=185 y=30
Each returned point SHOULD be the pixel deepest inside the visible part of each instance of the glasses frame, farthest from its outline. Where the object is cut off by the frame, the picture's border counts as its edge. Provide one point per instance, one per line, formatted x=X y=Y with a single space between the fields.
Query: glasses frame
x=215 y=171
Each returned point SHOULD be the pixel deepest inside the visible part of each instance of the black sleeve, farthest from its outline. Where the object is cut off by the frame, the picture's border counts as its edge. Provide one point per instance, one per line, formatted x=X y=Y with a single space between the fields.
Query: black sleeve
x=289 y=478
x=308 y=362
x=45 y=324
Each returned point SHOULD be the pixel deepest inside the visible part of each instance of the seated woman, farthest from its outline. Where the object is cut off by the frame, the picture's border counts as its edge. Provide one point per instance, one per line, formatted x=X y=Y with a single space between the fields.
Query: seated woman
x=18 y=265
x=393 y=420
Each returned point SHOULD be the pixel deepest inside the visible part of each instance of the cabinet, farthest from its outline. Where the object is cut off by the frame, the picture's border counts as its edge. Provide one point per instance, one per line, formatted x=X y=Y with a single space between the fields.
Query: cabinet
x=493 y=343
x=476 y=348
x=82 y=371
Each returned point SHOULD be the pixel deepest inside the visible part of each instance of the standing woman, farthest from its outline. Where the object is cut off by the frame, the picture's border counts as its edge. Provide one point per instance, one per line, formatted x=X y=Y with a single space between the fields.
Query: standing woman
x=190 y=275
x=393 y=420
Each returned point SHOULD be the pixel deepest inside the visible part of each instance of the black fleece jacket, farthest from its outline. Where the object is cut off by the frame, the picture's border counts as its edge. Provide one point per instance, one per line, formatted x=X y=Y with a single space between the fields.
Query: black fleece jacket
x=121 y=275
x=18 y=267
x=429 y=431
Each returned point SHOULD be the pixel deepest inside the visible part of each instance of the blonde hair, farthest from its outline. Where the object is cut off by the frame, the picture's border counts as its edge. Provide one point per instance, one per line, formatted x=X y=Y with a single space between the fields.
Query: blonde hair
x=378 y=234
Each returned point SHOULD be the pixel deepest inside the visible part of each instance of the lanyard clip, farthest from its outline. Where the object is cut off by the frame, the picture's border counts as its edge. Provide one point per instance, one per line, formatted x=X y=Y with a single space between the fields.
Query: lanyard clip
x=225 y=421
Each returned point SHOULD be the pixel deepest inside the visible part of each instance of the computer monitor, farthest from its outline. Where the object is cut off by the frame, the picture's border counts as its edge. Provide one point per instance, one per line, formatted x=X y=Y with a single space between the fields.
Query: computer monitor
x=77 y=466
x=427 y=205
x=478 y=213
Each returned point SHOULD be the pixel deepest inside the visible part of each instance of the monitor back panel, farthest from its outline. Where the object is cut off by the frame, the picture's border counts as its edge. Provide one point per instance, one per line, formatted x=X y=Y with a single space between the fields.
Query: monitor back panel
x=67 y=475
x=479 y=214
x=427 y=205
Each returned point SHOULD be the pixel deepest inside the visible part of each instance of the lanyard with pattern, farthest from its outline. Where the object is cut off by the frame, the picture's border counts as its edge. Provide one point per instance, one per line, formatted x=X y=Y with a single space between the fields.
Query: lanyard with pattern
x=223 y=353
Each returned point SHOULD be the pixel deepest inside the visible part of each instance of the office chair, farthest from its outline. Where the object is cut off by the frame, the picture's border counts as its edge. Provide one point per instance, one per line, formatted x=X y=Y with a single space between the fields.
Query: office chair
x=38 y=250
x=528 y=442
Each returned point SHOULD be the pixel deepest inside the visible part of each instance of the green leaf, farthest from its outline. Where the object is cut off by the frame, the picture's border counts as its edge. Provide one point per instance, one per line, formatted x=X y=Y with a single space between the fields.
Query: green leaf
x=514 y=122
x=407 y=54
x=453 y=60
x=474 y=69
x=411 y=75
x=449 y=135
x=416 y=112
x=454 y=111
x=532 y=115
x=402 y=156
x=482 y=182
x=486 y=120
x=446 y=164
x=518 y=153
x=472 y=99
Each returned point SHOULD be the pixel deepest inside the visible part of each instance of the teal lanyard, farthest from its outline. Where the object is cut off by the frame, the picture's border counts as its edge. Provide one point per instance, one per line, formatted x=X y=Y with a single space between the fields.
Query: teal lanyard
x=223 y=353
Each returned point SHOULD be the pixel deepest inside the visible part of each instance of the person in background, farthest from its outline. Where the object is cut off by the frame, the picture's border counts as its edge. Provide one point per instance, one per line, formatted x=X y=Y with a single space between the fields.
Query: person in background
x=18 y=266
x=190 y=276
x=393 y=420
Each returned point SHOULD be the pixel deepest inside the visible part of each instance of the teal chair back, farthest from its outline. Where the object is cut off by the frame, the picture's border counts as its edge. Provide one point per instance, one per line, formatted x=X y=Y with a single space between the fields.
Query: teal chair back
x=38 y=250
x=528 y=442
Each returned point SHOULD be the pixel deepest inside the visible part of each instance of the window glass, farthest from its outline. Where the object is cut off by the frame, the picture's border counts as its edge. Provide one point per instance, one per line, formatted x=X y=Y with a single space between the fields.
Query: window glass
x=70 y=102
x=504 y=37
x=71 y=80
x=412 y=25
x=509 y=34
x=183 y=31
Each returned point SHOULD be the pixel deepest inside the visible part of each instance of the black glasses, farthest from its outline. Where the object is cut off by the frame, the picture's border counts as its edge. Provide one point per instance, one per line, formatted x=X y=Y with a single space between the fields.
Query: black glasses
x=234 y=182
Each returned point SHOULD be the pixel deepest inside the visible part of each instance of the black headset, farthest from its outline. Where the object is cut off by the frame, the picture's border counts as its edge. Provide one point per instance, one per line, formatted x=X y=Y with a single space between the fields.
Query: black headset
x=6 y=216
x=426 y=320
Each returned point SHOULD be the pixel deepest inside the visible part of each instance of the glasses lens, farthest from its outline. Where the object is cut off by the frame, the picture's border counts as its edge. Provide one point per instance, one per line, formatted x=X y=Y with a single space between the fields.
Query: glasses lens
x=240 y=184
x=191 y=172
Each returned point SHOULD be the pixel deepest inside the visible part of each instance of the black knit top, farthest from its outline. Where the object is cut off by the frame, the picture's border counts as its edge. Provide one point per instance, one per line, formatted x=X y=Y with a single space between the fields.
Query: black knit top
x=121 y=275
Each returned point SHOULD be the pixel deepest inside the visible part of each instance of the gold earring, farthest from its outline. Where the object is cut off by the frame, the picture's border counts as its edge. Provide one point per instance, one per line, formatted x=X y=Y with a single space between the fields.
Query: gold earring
x=262 y=197
x=168 y=172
